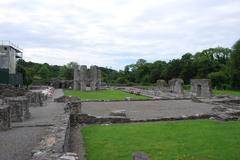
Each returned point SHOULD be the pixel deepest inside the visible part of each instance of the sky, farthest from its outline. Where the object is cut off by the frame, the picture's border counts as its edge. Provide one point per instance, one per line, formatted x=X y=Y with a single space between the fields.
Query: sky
x=115 y=33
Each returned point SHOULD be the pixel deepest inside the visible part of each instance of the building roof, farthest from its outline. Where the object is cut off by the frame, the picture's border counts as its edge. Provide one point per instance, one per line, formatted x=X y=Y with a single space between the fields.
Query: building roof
x=12 y=45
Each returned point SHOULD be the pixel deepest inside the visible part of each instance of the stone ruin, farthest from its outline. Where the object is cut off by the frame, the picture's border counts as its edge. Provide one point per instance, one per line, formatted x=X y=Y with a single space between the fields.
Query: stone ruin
x=15 y=103
x=201 y=88
x=63 y=84
x=36 y=98
x=19 y=107
x=161 y=83
x=5 y=118
x=176 y=86
x=11 y=91
x=87 y=79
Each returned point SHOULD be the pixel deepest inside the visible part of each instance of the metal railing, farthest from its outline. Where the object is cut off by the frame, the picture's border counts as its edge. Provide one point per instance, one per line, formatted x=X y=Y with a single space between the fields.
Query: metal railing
x=8 y=43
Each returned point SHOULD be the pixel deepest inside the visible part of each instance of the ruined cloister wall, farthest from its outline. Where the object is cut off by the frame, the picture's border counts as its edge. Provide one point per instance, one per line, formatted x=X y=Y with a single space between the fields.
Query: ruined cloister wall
x=201 y=87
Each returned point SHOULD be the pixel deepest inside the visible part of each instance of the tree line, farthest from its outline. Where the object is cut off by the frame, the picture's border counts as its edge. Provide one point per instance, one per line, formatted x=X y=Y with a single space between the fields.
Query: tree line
x=221 y=65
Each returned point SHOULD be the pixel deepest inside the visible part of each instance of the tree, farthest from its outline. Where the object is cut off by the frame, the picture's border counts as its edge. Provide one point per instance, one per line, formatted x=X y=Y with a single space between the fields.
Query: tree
x=44 y=72
x=235 y=65
x=188 y=70
x=219 y=79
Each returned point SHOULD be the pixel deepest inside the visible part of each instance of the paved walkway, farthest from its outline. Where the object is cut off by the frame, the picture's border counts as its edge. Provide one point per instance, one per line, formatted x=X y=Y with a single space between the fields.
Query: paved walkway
x=17 y=143
x=142 y=110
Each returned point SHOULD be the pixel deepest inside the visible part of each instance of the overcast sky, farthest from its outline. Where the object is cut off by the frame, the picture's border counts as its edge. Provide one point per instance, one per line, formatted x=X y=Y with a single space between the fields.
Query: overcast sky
x=117 y=32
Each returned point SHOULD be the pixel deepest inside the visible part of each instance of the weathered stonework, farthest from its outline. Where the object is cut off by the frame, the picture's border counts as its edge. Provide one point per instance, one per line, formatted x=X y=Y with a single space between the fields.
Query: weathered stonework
x=87 y=79
x=63 y=84
x=36 y=98
x=74 y=107
x=89 y=119
x=66 y=99
x=5 y=118
x=11 y=91
x=176 y=86
x=201 y=87
x=19 y=108
x=161 y=83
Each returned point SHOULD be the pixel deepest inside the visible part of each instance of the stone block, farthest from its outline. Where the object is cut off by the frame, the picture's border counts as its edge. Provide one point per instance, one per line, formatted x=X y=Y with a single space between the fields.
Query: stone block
x=140 y=156
x=118 y=113
x=5 y=117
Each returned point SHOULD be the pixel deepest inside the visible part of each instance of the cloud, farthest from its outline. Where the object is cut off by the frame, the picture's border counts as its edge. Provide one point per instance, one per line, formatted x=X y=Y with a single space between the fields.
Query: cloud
x=117 y=32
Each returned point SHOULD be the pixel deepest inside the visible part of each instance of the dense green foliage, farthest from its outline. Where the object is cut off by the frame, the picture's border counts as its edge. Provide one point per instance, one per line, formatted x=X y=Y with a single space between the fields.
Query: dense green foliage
x=44 y=72
x=110 y=94
x=181 y=140
x=235 y=66
x=221 y=65
x=212 y=63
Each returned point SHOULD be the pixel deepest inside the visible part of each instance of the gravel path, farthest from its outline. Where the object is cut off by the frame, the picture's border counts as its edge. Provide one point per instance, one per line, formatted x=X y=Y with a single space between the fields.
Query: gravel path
x=141 y=110
x=17 y=143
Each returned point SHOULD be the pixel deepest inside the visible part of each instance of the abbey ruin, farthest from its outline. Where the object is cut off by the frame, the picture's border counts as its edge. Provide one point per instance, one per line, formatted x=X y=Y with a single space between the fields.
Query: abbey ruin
x=86 y=79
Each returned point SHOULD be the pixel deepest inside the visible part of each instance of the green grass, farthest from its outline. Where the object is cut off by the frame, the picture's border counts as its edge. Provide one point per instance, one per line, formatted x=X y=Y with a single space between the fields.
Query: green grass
x=109 y=94
x=226 y=92
x=181 y=140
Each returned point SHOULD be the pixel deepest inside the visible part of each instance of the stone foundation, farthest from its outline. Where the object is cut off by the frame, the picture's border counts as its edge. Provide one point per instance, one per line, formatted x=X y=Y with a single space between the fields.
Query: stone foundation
x=36 y=98
x=19 y=108
x=10 y=91
x=66 y=99
x=5 y=118
x=89 y=119
x=74 y=107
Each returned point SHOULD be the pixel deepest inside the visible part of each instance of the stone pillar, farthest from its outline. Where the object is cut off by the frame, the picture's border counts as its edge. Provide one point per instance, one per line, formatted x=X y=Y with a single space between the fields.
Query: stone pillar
x=16 y=107
x=26 y=106
x=83 y=77
x=76 y=78
x=176 y=86
x=93 y=77
x=5 y=118
x=99 y=79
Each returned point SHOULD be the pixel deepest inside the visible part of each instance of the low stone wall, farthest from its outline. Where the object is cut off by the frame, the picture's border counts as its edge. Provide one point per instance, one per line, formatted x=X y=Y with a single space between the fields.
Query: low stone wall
x=19 y=108
x=54 y=145
x=89 y=119
x=74 y=107
x=36 y=98
x=5 y=118
x=67 y=99
x=11 y=91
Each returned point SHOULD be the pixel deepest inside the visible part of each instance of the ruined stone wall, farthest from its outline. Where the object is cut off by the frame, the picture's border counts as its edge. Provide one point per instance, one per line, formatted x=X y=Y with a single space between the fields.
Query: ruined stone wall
x=63 y=84
x=5 y=117
x=19 y=107
x=176 y=86
x=11 y=91
x=201 y=87
x=87 y=79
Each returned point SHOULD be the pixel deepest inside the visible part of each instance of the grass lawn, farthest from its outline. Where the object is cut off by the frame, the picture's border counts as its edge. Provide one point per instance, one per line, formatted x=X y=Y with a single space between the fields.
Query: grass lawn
x=109 y=94
x=226 y=92
x=181 y=140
